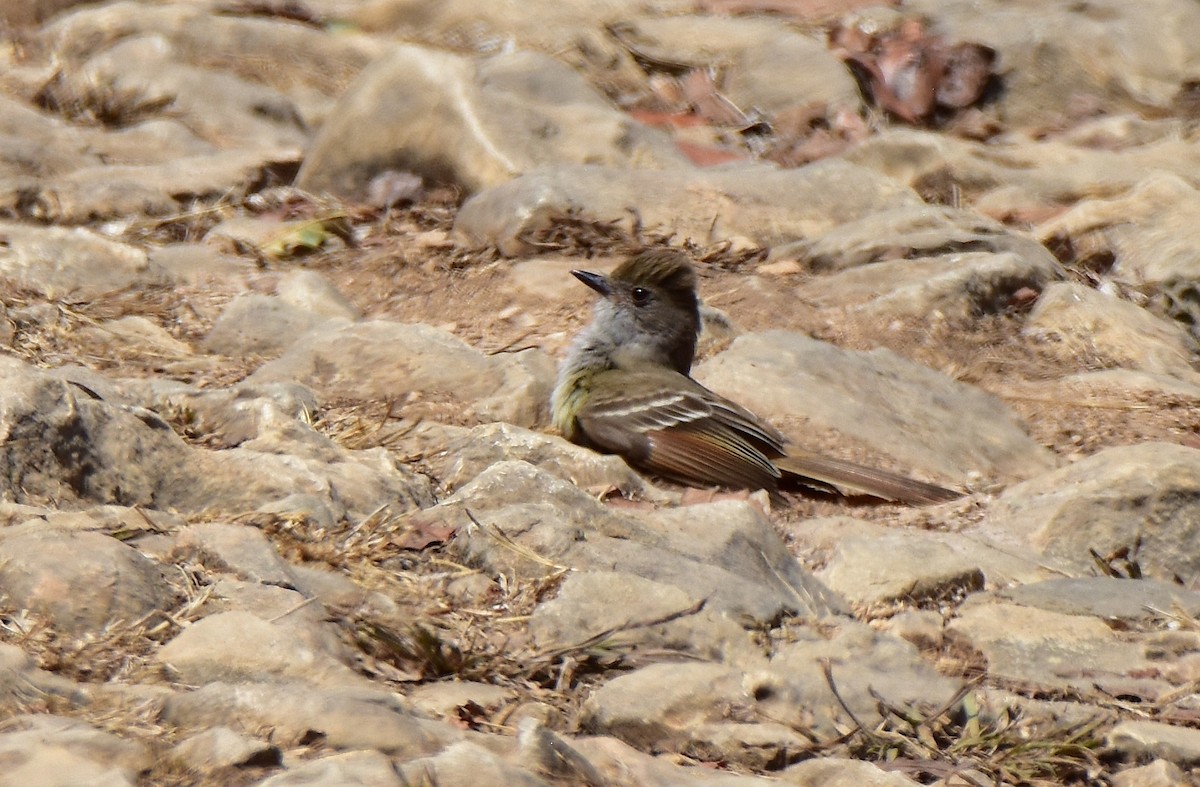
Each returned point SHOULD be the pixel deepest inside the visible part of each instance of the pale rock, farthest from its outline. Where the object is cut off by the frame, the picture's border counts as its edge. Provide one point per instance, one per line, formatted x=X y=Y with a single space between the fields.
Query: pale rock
x=620 y=763
x=350 y=769
x=1048 y=649
x=83 y=582
x=726 y=552
x=764 y=203
x=1156 y=53
x=115 y=191
x=921 y=262
x=843 y=539
x=1107 y=598
x=475 y=123
x=1080 y=324
x=314 y=293
x=444 y=698
x=467 y=764
x=254 y=324
x=52 y=751
x=1011 y=175
x=864 y=664
x=221 y=747
x=1160 y=773
x=921 y=627
x=458 y=455
x=1142 y=738
x=346 y=718
x=627 y=611
x=221 y=107
x=336 y=590
x=241 y=646
x=22 y=683
x=379 y=360
x=1149 y=230
x=1118 y=497
x=76 y=262
x=921 y=419
x=898 y=567
x=550 y=755
x=240 y=550
x=195 y=263
x=842 y=772
x=138 y=335
x=765 y=66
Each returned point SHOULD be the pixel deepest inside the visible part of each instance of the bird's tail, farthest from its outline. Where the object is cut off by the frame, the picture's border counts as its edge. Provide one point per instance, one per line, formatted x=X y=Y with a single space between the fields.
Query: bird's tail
x=848 y=477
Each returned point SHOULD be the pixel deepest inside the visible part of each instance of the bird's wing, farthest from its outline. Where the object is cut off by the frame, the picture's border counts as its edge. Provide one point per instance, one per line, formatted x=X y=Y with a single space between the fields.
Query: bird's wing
x=669 y=424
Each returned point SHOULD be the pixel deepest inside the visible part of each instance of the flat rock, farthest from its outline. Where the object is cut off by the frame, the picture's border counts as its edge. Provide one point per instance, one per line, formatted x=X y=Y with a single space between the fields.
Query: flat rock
x=58 y=262
x=81 y=581
x=1156 y=53
x=345 y=718
x=22 y=683
x=365 y=768
x=1045 y=649
x=726 y=552
x=684 y=706
x=475 y=123
x=1006 y=177
x=1160 y=773
x=921 y=262
x=241 y=646
x=1077 y=323
x=53 y=750
x=627 y=611
x=444 y=698
x=620 y=763
x=766 y=67
x=1148 y=230
x=1108 y=598
x=466 y=764
x=1178 y=745
x=918 y=417
x=221 y=747
x=458 y=455
x=379 y=360
x=759 y=204
x=842 y=772
x=254 y=324
x=899 y=567
x=240 y=550
x=1113 y=499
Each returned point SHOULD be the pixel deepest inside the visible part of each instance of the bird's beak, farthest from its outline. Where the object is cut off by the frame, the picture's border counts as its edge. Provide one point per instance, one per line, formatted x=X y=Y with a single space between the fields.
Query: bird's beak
x=594 y=280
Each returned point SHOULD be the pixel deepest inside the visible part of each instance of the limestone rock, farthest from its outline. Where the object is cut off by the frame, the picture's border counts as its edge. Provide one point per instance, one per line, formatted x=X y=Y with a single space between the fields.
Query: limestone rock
x=725 y=552
x=473 y=123
x=1113 y=499
x=259 y=325
x=925 y=421
x=1178 y=745
x=379 y=360
x=757 y=203
x=58 y=261
x=240 y=646
x=221 y=747
x=346 y=718
x=81 y=581
x=52 y=750
x=366 y=768
x=1080 y=323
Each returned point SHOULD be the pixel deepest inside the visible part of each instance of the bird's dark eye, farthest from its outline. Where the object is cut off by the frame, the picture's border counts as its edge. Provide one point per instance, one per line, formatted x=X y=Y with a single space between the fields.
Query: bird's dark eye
x=641 y=296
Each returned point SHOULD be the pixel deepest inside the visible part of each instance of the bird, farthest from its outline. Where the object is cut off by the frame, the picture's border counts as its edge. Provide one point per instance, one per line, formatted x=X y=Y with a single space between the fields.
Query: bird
x=625 y=388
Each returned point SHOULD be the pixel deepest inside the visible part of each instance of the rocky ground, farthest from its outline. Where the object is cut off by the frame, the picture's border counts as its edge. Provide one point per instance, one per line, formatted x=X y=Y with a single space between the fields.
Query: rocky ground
x=284 y=285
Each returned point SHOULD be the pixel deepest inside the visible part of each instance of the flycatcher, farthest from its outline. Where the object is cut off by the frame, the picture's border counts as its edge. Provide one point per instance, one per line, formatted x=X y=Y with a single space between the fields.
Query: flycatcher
x=625 y=388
